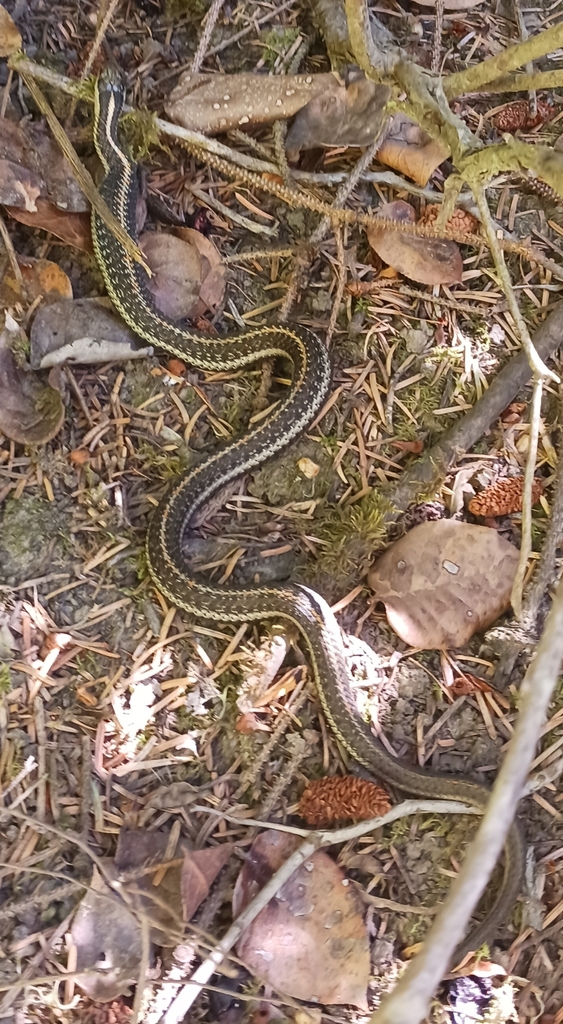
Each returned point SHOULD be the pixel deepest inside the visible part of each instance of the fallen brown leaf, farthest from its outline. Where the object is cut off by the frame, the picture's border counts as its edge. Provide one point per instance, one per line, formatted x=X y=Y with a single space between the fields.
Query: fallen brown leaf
x=443 y=581
x=213 y=272
x=342 y=115
x=31 y=148
x=42 y=279
x=107 y=936
x=31 y=412
x=10 y=38
x=409 y=150
x=187 y=272
x=199 y=871
x=427 y=260
x=72 y=228
x=18 y=186
x=81 y=331
x=310 y=941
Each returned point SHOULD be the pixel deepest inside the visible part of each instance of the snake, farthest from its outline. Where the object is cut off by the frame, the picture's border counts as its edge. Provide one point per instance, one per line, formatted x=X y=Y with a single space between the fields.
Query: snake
x=126 y=282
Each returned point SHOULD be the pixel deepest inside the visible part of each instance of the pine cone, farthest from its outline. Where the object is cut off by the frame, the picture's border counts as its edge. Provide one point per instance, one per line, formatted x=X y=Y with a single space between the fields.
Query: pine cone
x=541 y=188
x=460 y=220
x=512 y=117
x=504 y=497
x=342 y=798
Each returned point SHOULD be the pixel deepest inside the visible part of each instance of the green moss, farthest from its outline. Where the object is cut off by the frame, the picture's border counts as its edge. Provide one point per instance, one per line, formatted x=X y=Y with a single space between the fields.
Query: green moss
x=277 y=42
x=28 y=528
x=350 y=535
x=140 y=132
x=174 y=9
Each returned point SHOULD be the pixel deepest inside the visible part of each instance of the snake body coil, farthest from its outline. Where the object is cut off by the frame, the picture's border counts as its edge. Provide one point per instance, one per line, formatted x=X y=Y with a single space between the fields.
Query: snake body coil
x=126 y=283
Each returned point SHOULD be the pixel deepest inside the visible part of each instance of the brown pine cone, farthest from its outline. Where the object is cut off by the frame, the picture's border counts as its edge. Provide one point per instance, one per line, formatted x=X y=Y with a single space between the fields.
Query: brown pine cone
x=512 y=117
x=504 y=497
x=460 y=220
x=342 y=798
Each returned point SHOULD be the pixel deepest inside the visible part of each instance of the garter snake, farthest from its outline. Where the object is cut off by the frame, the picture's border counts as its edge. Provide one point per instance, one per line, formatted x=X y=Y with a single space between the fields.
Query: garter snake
x=126 y=283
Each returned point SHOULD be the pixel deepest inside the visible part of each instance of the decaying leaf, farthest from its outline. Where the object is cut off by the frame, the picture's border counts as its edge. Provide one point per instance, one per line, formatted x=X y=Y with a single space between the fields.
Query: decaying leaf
x=81 y=331
x=10 y=38
x=428 y=260
x=213 y=272
x=42 y=280
x=409 y=150
x=199 y=871
x=32 y=148
x=108 y=942
x=167 y=883
x=31 y=412
x=443 y=581
x=310 y=941
x=344 y=115
x=215 y=103
x=18 y=186
x=188 y=273
x=72 y=228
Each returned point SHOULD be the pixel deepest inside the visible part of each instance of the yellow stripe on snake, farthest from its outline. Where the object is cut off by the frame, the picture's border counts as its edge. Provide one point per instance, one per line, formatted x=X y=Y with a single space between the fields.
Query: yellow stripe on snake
x=126 y=283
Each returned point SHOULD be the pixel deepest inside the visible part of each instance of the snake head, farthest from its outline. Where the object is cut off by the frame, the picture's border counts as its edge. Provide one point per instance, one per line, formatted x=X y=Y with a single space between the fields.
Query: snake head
x=110 y=81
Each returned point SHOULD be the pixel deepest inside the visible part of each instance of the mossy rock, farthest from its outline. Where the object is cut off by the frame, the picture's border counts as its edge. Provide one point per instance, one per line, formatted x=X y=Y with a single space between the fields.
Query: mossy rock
x=31 y=535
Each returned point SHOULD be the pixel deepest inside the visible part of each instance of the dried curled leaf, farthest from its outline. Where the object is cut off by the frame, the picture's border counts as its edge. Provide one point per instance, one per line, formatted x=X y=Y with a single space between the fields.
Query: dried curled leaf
x=503 y=497
x=310 y=941
x=188 y=276
x=428 y=260
x=344 y=115
x=409 y=150
x=341 y=798
x=443 y=581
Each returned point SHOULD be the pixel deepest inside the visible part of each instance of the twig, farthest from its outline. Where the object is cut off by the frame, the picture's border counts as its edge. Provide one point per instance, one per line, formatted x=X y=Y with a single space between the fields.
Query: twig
x=527 y=501
x=313 y=842
x=524 y=34
x=522 y=83
x=340 y=286
x=544 y=572
x=101 y=30
x=409 y=1001
x=538 y=366
x=437 y=40
x=210 y=19
x=236 y=218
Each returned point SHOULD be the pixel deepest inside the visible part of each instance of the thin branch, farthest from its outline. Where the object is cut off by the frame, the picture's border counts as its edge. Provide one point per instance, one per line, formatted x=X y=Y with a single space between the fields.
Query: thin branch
x=539 y=368
x=210 y=20
x=526 y=542
x=474 y=78
x=409 y=1001
x=543 y=576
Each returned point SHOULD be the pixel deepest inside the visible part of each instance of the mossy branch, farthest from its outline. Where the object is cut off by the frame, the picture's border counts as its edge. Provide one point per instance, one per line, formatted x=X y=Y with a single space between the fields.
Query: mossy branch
x=514 y=57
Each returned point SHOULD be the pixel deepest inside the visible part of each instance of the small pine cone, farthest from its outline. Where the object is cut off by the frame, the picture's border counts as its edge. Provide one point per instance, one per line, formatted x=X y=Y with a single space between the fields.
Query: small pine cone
x=504 y=497
x=512 y=117
x=460 y=220
x=541 y=188
x=342 y=798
